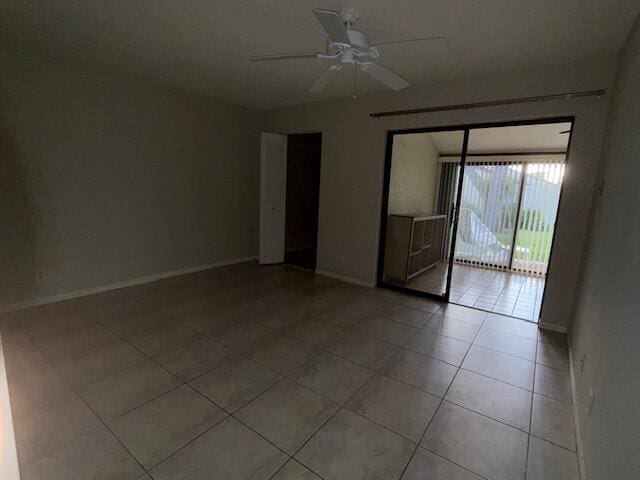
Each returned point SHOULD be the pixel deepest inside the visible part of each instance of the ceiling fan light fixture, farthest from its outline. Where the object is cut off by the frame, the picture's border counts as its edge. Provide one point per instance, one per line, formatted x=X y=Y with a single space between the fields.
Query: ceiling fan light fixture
x=347 y=46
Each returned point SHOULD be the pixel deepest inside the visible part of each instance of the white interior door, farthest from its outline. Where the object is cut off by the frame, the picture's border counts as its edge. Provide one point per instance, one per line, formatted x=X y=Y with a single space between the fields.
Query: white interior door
x=273 y=195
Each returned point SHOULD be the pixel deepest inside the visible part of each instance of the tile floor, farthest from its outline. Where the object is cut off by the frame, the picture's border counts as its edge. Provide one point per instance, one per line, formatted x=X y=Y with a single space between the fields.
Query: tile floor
x=506 y=293
x=274 y=373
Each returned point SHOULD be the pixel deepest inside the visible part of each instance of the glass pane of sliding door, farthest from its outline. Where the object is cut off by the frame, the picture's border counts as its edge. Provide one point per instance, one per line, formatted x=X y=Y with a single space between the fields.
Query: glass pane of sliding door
x=539 y=207
x=419 y=219
x=488 y=212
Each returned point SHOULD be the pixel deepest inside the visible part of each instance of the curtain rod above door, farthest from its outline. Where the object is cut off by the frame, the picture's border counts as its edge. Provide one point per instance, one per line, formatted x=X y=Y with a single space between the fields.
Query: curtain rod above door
x=492 y=103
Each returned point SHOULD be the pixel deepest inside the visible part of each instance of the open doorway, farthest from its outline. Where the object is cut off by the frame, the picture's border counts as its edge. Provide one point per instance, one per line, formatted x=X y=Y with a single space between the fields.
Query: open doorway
x=508 y=207
x=469 y=214
x=302 y=199
x=289 y=198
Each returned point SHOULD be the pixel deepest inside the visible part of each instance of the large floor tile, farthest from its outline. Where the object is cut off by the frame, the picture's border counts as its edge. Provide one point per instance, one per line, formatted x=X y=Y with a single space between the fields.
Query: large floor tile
x=385 y=330
x=282 y=354
x=295 y=471
x=408 y=316
x=469 y=315
x=341 y=315
x=420 y=371
x=550 y=462
x=332 y=377
x=242 y=335
x=424 y=304
x=106 y=358
x=450 y=327
x=94 y=455
x=33 y=390
x=195 y=357
x=371 y=305
x=363 y=350
x=137 y=321
x=507 y=343
x=76 y=338
x=287 y=414
x=495 y=399
x=160 y=427
x=426 y=465
x=162 y=339
x=399 y=407
x=125 y=390
x=105 y=309
x=316 y=331
x=287 y=313
x=45 y=429
x=512 y=325
x=500 y=366
x=553 y=421
x=351 y=447
x=553 y=356
x=229 y=450
x=553 y=383
x=213 y=321
x=235 y=383
x=443 y=348
x=484 y=446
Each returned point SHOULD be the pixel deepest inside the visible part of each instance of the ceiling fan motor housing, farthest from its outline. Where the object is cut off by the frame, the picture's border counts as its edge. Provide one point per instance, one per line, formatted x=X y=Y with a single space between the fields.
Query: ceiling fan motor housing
x=357 y=51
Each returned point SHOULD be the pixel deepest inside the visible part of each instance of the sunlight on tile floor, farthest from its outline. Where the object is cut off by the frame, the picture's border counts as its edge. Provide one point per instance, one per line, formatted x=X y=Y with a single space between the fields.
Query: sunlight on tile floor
x=507 y=293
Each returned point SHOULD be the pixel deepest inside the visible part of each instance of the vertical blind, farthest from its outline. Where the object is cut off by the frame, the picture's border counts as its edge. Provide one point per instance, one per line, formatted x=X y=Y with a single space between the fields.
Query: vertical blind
x=538 y=212
x=488 y=211
x=447 y=193
x=507 y=214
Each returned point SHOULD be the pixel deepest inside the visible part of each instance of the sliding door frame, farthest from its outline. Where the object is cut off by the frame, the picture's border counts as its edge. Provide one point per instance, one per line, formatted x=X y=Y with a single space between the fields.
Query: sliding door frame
x=466 y=130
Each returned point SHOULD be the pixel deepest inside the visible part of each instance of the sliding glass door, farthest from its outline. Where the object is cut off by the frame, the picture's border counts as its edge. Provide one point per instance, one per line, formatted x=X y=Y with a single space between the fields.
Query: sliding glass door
x=537 y=215
x=420 y=210
x=467 y=201
x=488 y=213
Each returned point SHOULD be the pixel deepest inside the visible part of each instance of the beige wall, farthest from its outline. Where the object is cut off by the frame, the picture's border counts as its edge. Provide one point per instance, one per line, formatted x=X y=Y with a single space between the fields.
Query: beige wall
x=354 y=148
x=414 y=174
x=606 y=329
x=105 y=177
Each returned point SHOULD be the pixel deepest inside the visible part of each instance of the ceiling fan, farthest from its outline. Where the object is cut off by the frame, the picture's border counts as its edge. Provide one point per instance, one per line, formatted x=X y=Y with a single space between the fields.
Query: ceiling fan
x=349 y=47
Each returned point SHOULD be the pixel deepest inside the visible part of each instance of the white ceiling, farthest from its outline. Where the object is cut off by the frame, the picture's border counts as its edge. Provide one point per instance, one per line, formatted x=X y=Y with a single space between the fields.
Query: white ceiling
x=523 y=138
x=204 y=46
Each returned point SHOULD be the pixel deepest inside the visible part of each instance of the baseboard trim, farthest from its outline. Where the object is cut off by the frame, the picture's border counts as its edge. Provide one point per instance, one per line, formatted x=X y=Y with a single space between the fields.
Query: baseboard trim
x=127 y=283
x=553 y=327
x=346 y=278
x=582 y=472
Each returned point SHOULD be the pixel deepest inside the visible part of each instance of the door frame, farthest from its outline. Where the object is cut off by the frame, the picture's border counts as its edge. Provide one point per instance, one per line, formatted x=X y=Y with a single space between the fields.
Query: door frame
x=287 y=133
x=466 y=128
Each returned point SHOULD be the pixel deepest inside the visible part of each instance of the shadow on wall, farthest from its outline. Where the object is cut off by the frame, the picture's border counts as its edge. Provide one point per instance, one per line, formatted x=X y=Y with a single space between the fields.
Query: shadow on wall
x=18 y=245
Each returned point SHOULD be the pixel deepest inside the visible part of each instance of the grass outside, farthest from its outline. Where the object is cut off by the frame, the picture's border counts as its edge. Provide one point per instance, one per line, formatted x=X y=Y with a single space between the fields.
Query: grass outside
x=538 y=244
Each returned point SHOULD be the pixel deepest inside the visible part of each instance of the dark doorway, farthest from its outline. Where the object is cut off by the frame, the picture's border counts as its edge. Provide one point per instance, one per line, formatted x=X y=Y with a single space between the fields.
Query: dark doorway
x=303 y=199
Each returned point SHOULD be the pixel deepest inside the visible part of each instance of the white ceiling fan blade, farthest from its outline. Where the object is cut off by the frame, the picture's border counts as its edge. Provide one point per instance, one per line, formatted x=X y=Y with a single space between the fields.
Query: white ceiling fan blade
x=385 y=76
x=333 y=25
x=324 y=79
x=283 y=56
x=434 y=43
